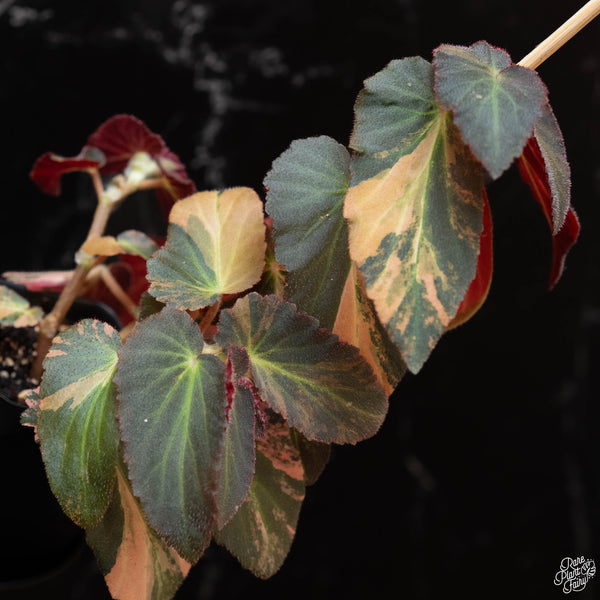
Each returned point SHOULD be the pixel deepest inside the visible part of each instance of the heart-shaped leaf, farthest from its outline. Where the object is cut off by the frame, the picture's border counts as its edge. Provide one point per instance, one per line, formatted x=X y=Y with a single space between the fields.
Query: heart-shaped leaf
x=172 y=411
x=305 y=197
x=261 y=533
x=137 y=564
x=77 y=422
x=414 y=223
x=495 y=103
x=320 y=385
x=215 y=245
x=306 y=190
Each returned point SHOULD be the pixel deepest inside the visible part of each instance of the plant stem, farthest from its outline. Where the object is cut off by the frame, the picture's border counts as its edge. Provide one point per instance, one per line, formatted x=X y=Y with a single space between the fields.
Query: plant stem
x=52 y=321
x=562 y=35
x=209 y=315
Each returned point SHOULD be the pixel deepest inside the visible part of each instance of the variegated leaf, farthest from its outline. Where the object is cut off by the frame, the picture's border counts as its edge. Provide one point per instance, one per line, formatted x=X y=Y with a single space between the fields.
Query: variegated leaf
x=16 y=310
x=215 y=245
x=321 y=386
x=77 y=422
x=129 y=242
x=262 y=531
x=306 y=190
x=172 y=412
x=137 y=564
x=414 y=225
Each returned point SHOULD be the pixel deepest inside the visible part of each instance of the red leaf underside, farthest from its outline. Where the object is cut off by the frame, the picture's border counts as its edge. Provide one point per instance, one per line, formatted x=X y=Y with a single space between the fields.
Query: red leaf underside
x=533 y=172
x=49 y=168
x=120 y=138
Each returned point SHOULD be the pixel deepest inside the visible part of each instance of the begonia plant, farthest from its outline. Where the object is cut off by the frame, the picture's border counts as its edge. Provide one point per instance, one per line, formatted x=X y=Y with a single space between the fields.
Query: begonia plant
x=270 y=330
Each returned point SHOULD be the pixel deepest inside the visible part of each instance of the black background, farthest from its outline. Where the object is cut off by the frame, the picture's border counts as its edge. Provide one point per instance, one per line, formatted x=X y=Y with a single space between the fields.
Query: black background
x=485 y=474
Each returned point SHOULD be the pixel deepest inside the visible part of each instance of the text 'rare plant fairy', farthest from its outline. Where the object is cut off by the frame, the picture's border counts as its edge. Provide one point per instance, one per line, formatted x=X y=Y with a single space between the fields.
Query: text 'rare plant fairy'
x=270 y=331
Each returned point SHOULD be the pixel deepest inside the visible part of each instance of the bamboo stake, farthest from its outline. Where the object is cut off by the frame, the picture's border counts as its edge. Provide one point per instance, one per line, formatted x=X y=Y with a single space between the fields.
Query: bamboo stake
x=562 y=35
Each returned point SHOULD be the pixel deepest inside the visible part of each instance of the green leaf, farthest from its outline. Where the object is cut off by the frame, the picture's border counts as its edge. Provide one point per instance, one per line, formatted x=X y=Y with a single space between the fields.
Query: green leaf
x=415 y=225
x=77 y=422
x=16 y=311
x=261 y=533
x=551 y=143
x=238 y=460
x=137 y=564
x=172 y=411
x=320 y=385
x=495 y=103
x=215 y=245
x=306 y=189
x=129 y=242
x=393 y=113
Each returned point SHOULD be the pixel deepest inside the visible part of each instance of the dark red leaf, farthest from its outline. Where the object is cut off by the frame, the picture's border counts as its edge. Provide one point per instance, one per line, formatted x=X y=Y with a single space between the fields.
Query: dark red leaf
x=120 y=138
x=49 y=168
x=480 y=286
x=533 y=171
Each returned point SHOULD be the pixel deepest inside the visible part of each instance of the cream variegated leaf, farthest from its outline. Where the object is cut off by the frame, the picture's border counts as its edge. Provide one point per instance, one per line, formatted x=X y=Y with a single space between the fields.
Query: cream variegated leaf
x=414 y=225
x=215 y=245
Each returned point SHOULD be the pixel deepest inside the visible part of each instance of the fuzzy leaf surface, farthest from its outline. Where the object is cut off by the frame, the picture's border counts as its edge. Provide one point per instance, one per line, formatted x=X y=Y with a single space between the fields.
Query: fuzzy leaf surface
x=77 y=422
x=536 y=171
x=172 y=411
x=261 y=533
x=414 y=210
x=16 y=310
x=215 y=245
x=321 y=386
x=238 y=457
x=306 y=190
x=495 y=103
x=137 y=564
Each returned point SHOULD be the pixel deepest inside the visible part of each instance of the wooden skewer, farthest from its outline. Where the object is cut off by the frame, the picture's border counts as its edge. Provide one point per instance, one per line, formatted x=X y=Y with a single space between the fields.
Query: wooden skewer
x=562 y=35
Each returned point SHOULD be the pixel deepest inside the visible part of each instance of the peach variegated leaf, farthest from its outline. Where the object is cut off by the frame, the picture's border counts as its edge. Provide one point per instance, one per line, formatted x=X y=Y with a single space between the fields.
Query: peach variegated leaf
x=136 y=563
x=77 y=423
x=262 y=531
x=357 y=324
x=128 y=242
x=215 y=246
x=238 y=454
x=321 y=386
x=172 y=412
x=16 y=310
x=306 y=190
x=495 y=103
x=480 y=286
x=414 y=224
x=544 y=172
x=305 y=196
